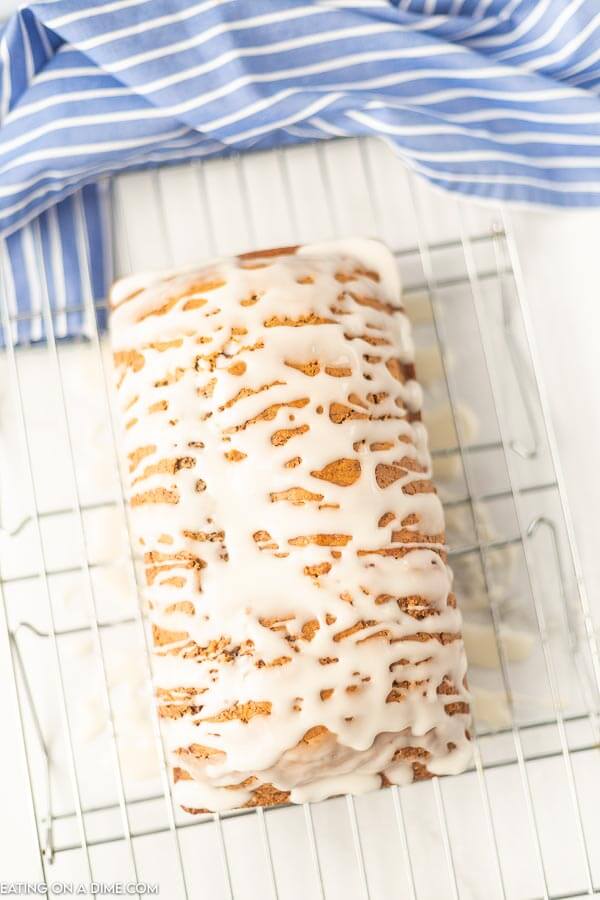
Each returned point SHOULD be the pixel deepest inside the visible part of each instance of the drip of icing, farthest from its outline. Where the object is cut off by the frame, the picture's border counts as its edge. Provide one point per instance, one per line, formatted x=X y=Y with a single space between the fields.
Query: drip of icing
x=491 y=707
x=196 y=795
x=279 y=484
x=481 y=644
x=429 y=365
x=355 y=783
x=442 y=430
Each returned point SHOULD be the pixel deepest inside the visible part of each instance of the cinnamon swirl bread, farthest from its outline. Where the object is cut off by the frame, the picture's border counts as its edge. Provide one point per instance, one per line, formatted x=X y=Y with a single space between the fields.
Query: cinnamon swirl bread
x=307 y=639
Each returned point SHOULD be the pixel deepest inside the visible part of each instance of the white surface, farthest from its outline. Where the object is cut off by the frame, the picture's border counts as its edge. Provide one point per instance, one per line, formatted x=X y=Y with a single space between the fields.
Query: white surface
x=560 y=265
x=559 y=274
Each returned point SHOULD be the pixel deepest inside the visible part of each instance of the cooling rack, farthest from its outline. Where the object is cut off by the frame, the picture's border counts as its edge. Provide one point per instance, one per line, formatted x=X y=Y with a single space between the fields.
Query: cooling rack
x=524 y=821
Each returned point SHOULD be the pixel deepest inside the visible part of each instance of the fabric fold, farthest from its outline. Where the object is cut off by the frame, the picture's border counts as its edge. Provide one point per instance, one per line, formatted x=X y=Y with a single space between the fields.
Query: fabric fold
x=492 y=99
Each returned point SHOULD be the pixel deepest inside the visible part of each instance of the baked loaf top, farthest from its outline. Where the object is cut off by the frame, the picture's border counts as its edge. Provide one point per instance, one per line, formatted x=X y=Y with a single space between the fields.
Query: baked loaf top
x=279 y=479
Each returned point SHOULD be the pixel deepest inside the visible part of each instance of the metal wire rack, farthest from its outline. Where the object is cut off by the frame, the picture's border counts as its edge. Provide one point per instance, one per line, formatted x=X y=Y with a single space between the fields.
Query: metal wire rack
x=523 y=822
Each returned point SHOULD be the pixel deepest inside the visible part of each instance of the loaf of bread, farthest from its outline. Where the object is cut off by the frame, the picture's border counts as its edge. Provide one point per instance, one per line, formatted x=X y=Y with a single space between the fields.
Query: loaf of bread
x=307 y=640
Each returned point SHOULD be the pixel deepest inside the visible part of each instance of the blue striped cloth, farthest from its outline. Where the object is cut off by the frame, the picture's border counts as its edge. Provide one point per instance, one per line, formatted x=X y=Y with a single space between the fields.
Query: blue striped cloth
x=493 y=98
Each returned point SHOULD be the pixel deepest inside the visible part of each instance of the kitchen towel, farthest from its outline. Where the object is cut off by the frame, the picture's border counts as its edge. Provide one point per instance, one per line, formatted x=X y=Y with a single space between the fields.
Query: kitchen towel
x=493 y=98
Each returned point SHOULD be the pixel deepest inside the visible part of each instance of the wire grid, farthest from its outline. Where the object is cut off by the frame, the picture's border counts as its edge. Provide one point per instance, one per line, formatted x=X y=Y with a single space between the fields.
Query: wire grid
x=380 y=828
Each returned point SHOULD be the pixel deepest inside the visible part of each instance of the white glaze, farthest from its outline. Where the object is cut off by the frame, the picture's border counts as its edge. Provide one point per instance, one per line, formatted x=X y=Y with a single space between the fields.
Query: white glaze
x=241 y=584
x=481 y=644
x=491 y=707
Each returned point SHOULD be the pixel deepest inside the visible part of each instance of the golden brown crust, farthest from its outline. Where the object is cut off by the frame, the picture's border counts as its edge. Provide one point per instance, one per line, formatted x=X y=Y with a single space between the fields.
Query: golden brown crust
x=267 y=254
x=373 y=445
